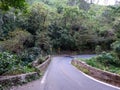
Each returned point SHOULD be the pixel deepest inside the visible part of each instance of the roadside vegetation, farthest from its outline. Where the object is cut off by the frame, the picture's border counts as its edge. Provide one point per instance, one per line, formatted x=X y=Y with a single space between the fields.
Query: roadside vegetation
x=105 y=61
x=30 y=29
x=109 y=60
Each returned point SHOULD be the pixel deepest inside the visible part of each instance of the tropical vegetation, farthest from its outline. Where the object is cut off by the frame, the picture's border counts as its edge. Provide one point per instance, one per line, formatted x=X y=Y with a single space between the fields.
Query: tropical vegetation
x=33 y=28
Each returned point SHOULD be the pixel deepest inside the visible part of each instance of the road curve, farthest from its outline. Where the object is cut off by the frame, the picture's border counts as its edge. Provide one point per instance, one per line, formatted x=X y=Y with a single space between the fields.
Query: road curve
x=61 y=75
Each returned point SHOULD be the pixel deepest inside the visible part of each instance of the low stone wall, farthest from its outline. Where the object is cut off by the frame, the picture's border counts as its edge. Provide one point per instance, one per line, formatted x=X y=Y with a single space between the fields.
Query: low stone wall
x=42 y=67
x=105 y=76
x=36 y=62
x=9 y=81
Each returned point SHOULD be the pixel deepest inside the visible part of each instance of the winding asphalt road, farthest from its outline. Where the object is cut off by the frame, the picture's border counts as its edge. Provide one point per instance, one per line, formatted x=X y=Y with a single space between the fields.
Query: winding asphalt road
x=61 y=75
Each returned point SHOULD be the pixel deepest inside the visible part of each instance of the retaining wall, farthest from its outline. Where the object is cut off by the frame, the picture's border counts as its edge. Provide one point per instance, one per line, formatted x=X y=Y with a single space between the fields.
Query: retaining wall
x=42 y=67
x=105 y=76
x=9 y=81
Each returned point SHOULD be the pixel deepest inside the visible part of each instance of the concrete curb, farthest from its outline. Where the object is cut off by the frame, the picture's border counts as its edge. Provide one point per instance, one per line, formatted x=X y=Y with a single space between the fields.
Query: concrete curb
x=105 y=76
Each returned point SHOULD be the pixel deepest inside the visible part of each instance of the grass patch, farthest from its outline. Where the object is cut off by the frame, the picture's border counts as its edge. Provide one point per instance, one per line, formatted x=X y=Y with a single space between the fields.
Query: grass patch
x=86 y=71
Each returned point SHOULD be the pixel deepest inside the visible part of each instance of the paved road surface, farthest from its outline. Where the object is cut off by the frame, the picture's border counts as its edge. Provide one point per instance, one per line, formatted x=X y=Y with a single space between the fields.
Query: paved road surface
x=61 y=75
x=86 y=56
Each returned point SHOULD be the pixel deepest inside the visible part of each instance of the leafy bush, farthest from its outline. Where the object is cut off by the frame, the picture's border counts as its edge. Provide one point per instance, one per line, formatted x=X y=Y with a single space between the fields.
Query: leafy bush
x=41 y=59
x=116 y=48
x=108 y=59
x=17 y=41
x=18 y=4
x=105 y=61
x=91 y=62
x=11 y=64
x=111 y=68
x=20 y=70
x=8 y=62
x=98 y=49
x=29 y=55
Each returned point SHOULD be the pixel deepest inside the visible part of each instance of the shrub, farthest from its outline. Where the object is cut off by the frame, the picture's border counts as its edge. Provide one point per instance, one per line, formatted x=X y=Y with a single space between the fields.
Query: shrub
x=91 y=62
x=98 y=49
x=116 y=48
x=8 y=62
x=108 y=59
x=17 y=41
x=41 y=59
x=11 y=64
x=29 y=55
x=108 y=62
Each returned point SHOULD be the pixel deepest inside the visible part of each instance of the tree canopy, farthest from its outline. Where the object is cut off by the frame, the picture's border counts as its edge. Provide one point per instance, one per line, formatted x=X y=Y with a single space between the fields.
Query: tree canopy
x=7 y=4
x=53 y=26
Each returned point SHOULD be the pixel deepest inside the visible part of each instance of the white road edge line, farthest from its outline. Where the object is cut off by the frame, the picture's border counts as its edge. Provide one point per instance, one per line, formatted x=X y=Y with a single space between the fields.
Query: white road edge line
x=44 y=77
x=96 y=79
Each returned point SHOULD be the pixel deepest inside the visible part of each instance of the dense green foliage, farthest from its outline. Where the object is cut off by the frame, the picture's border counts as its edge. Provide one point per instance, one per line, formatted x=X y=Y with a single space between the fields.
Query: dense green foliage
x=7 y=62
x=106 y=61
x=11 y=64
x=40 y=27
x=65 y=25
x=7 y=4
